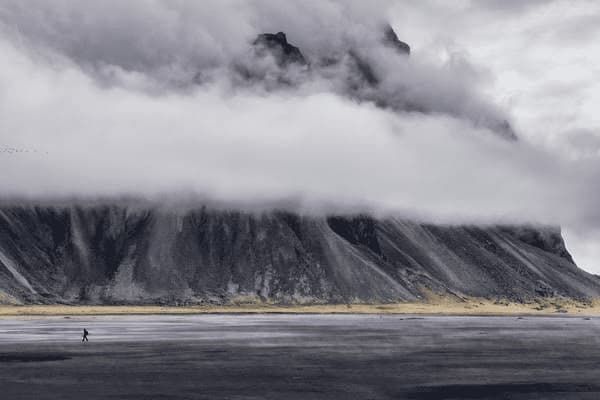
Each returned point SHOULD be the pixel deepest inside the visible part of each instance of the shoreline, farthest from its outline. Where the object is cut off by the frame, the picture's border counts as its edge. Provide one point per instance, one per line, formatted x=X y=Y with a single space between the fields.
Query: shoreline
x=471 y=307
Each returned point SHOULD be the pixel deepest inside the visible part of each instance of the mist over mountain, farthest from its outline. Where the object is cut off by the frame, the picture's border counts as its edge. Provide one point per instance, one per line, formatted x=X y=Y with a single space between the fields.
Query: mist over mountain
x=180 y=152
x=158 y=100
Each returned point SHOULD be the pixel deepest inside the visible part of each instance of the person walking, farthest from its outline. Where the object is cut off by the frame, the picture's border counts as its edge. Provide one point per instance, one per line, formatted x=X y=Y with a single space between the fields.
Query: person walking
x=85 y=336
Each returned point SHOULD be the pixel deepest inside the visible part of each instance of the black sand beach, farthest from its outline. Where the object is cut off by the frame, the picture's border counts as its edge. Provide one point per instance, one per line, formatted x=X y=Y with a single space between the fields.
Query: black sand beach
x=300 y=357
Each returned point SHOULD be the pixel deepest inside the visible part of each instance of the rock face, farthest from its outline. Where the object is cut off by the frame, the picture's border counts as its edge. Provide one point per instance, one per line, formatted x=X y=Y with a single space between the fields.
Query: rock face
x=277 y=44
x=390 y=37
x=119 y=254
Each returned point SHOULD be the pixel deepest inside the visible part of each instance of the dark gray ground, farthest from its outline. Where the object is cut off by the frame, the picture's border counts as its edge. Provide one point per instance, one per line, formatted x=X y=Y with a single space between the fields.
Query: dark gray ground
x=300 y=357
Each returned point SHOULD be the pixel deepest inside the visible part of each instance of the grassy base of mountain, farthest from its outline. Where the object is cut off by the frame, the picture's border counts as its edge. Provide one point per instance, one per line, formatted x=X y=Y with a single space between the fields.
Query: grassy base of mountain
x=433 y=305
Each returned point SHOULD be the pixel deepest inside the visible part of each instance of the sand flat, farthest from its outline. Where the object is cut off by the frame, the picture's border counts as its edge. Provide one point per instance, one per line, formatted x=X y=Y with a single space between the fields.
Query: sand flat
x=313 y=356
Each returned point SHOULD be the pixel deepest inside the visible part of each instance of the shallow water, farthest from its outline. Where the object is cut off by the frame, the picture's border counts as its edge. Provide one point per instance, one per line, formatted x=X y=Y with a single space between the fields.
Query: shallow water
x=300 y=357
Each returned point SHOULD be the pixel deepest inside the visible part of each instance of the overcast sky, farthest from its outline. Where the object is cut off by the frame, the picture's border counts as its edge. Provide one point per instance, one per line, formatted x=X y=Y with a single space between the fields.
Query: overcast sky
x=145 y=98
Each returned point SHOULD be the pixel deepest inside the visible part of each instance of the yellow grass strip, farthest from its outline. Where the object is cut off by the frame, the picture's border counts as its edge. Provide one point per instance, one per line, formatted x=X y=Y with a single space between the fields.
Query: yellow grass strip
x=434 y=306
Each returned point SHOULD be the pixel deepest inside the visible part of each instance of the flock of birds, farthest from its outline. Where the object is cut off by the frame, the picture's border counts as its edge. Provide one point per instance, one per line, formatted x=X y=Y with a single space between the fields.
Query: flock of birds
x=17 y=150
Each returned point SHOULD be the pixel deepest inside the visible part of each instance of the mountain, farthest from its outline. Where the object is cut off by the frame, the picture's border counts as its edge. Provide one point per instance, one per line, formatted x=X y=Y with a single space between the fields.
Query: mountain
x=122 y=254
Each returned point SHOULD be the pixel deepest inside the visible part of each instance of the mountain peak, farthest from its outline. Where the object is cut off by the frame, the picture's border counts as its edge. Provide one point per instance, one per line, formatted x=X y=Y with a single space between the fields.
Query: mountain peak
x=390 y=38
x=282 y=50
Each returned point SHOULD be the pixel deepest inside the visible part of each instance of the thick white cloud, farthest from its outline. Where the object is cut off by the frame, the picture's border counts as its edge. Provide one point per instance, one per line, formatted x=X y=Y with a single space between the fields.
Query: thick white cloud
x=101 y=96
x=544 y=61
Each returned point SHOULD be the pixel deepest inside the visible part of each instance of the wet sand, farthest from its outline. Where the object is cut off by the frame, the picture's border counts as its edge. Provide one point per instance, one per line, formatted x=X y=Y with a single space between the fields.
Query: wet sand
x=300 y=357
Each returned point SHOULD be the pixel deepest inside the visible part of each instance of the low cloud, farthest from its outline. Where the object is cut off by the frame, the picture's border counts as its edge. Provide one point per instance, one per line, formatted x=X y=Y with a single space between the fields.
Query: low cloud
x=144 y=99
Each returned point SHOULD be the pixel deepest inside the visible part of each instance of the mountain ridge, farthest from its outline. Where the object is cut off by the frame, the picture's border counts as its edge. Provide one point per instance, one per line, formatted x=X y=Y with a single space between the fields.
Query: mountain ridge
x=107 y=254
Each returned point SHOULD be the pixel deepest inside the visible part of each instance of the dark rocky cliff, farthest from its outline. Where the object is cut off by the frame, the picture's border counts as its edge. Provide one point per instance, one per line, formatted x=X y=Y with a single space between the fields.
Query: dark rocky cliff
x=119 y=254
